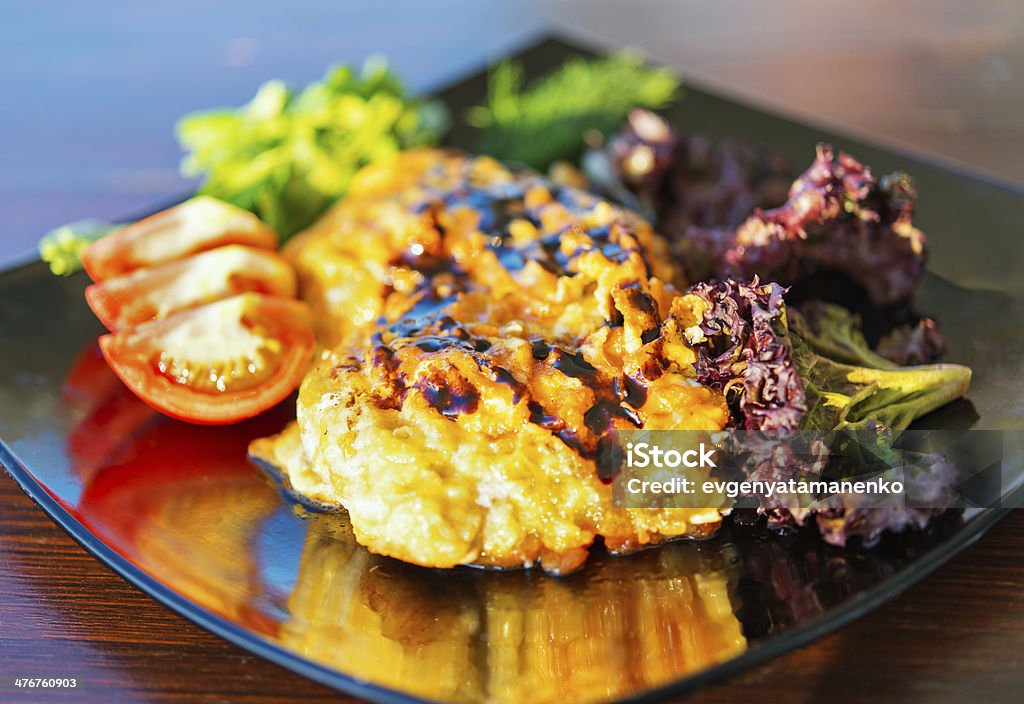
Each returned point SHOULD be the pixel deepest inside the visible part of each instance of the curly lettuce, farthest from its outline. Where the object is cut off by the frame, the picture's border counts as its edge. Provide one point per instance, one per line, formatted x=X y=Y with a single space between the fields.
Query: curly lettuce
x=745 y=353
x=783 y=377
x=734 y=211
x=685 y=181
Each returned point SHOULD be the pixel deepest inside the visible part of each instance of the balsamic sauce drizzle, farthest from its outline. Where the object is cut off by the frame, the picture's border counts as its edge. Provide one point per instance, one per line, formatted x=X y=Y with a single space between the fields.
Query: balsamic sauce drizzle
x=426 y=327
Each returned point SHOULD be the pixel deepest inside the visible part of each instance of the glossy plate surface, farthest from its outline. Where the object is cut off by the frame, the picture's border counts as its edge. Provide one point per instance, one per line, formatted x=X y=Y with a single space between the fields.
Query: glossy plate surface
x=181 y=513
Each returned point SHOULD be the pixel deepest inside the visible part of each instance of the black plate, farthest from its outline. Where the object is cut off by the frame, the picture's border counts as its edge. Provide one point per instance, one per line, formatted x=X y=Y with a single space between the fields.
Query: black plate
x=178 y=511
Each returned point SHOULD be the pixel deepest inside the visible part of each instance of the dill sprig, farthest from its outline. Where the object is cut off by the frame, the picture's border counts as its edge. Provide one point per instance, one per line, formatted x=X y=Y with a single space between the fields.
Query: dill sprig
x=547 y=119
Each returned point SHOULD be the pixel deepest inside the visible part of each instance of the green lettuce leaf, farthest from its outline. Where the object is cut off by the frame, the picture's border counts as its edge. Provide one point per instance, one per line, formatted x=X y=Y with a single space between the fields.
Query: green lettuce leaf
x=287 y=155
x=848 y=385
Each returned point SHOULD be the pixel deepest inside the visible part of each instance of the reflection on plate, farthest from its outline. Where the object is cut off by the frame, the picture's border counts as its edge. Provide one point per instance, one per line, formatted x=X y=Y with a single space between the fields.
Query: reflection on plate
x=511 y=637
x=179 y=511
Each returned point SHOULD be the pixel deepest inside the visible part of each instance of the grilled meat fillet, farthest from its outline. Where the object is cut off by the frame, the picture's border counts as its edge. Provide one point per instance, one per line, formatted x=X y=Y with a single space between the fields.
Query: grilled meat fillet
x=483 y=332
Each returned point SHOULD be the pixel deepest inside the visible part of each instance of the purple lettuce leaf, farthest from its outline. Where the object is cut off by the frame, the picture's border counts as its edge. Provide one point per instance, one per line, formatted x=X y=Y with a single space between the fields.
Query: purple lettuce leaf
x=838 y=217
x=684 y=181
x=782 y=385
x=734 y=211
x=746 y=355
x=907 y=344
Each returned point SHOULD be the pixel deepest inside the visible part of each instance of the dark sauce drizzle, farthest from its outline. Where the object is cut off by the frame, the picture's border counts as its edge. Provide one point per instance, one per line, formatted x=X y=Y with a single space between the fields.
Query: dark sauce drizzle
x=426 y=327
x=451 y=396
x=618 y=399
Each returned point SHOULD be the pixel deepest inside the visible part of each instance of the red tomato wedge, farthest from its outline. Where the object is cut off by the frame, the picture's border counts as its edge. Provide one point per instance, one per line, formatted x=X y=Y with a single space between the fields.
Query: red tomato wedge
x=157 y=292
x=198 y=224
x=219 y=363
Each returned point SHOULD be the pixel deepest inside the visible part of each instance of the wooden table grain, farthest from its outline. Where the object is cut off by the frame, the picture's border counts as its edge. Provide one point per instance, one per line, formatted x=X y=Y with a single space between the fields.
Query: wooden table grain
x=940 y=76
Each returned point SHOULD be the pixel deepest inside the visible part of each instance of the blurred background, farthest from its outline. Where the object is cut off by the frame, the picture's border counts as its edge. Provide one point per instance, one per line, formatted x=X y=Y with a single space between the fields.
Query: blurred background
x=92 y=91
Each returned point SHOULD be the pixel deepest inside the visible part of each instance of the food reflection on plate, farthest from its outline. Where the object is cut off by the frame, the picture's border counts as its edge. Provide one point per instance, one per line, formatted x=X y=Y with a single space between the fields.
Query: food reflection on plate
x=481 y=635
x=178 y=501
x=476 y=635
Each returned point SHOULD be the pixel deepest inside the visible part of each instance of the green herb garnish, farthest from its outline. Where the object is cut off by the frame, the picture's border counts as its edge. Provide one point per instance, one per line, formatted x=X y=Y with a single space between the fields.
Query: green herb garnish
x=288 y=155
x=62 y=248
x=547 y=120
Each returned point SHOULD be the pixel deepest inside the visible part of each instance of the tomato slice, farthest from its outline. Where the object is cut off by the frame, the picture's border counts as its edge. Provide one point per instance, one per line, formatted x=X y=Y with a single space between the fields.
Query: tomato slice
x=198 y=224
x=156 y=292
x=219 y=363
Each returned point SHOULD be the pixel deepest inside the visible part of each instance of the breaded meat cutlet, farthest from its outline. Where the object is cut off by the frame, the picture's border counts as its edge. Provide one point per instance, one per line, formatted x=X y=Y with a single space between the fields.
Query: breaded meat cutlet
x=484 y=331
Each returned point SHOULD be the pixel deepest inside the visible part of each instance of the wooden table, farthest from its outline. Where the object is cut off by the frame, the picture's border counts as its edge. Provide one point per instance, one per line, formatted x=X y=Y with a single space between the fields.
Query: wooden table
x=944 y=77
